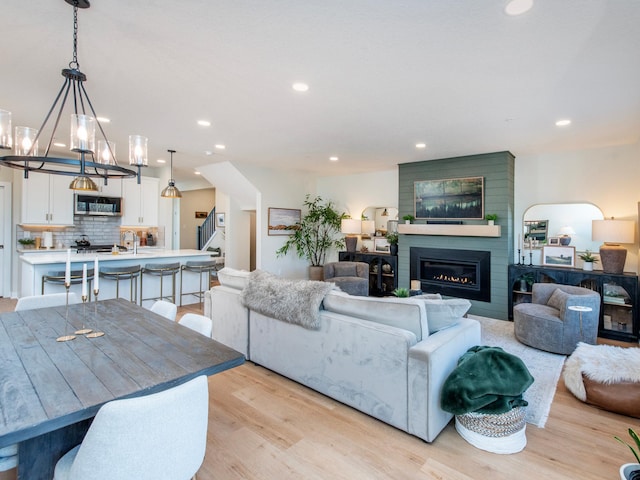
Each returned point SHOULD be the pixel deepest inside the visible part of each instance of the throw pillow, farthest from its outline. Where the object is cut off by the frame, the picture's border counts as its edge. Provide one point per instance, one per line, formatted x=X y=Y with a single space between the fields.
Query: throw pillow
x=344 y=269
x=444 y=313
x=230 y=277
x=558 y=299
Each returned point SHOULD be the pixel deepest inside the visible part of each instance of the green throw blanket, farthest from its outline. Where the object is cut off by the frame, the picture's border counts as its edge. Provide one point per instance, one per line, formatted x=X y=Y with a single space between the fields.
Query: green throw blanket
x=486 y=380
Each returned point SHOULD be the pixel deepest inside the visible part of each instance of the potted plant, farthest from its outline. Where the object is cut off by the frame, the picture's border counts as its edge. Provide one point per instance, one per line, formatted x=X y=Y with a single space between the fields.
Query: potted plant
x=408 y=218
x=401 y=292
x=314 y=234
x=26 y=242
x=631 y=471
x=491 y=218
x=588 y=259
x=526 y=281
x=392 y=238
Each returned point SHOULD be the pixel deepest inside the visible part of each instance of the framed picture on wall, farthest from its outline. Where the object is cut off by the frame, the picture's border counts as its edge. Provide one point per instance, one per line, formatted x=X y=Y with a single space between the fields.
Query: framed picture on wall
x=283 y=221
x=451 y=198
x=559 y=256
x=220 y=220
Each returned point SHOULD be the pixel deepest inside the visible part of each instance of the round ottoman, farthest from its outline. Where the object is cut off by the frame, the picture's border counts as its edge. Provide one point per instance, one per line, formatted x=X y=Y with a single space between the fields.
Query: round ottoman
x=605 y=376
x=497 y=433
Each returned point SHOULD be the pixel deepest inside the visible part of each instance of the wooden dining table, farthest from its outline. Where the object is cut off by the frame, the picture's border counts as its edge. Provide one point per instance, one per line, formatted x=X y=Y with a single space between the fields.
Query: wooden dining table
x=50 y=390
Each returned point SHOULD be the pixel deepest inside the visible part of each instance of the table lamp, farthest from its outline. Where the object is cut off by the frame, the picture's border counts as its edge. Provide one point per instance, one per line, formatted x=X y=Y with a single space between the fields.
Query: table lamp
x=613 y=233
x=351 y=227
x=368 y=227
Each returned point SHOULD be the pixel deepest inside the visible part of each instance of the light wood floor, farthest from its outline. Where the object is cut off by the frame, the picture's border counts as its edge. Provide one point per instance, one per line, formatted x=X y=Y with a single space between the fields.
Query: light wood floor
x=263 y=426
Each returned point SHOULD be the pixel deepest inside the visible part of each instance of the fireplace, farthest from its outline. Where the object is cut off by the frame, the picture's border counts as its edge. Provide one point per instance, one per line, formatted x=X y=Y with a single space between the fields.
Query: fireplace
x=455 y=273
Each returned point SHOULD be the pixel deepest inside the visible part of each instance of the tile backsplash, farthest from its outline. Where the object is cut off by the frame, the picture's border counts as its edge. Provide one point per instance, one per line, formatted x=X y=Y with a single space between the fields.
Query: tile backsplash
x=99 y=231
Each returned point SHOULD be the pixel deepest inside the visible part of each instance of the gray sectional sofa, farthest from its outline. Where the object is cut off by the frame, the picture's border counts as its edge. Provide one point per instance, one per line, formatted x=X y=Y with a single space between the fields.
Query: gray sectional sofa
x=378 y=355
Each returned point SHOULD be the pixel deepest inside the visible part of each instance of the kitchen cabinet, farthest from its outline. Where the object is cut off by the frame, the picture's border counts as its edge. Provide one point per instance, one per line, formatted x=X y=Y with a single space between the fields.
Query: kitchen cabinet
x=47 y=200
x=383 y=270
x=619 y=319
x=113 y=188
x=140 y=202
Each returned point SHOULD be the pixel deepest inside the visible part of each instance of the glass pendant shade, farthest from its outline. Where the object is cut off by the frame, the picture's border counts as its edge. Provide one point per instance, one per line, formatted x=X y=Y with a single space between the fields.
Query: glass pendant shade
x=25 y=141
x=138 y=150
x=6 y=139
x=106 y=152
x=83 y=133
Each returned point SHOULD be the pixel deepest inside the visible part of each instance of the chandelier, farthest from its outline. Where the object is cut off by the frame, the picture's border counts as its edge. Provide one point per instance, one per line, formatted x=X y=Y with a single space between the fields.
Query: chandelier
x=95 y=159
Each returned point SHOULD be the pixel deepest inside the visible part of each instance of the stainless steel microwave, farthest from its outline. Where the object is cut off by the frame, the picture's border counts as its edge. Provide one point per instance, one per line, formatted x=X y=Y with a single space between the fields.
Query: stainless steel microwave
x=94 y=205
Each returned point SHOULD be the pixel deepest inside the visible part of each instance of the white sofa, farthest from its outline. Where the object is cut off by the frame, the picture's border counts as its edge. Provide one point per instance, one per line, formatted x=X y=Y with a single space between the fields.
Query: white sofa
x=374 y=354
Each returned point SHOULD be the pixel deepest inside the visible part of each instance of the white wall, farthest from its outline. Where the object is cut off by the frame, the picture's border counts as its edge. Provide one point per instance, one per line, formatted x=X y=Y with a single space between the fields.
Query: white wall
x=607 y=177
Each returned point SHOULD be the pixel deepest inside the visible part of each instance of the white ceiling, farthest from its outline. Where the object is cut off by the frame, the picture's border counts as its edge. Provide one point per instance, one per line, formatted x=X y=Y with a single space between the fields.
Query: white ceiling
x=461 y=76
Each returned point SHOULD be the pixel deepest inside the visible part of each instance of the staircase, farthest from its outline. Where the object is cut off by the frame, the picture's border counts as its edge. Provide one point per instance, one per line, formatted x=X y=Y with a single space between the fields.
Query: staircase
x=207 y=230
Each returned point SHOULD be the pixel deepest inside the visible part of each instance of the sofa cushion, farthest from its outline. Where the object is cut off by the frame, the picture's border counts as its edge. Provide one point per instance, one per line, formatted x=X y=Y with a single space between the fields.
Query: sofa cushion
x=558 y=299
x=230 y=277
x=444 y=313
x=405 y=313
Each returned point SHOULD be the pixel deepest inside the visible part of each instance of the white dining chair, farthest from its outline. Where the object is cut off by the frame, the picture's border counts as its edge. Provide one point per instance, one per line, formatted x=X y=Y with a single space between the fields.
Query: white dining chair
x=48 y=300
x=155 y=437
x=199 y=323
x=8 y=461
x=166 y=309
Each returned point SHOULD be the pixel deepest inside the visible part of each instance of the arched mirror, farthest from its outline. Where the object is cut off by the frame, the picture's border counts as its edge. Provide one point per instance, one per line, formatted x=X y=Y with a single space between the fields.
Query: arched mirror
x=561 y=224
x=380 y=216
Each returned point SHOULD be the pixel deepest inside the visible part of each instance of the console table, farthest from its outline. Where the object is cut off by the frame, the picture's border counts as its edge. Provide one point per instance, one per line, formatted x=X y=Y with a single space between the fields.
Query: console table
x=619 y=319
x=383 y=270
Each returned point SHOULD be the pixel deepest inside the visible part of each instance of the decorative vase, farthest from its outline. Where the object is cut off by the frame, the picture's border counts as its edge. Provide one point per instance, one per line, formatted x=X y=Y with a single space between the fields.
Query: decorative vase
x=491 y=222
x=407 y=222
x=587 y=266
x=316 y=272
x=393 y=249
x=627 y=471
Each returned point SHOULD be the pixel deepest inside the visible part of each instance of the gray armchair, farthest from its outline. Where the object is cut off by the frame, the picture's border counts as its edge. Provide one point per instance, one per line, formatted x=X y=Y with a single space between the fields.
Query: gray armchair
x=351 y=277
x=547 y=323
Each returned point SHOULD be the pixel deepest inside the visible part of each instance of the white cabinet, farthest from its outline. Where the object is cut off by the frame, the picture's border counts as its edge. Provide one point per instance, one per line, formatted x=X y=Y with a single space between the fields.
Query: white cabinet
x=47 y=200
x=112 y=189
x=140 y=202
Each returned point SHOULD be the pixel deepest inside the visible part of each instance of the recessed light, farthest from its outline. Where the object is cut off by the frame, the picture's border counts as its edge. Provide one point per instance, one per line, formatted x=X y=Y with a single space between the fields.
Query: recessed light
x=421 y=145
x=518 y=7
x=300 y=87
x=334 y=159
x=563 y=123
x=161 y=160
x=219 y=146
x=197 y=172
x=204 y=123
x=208 y=152
x=103 y=119
x=59 y=144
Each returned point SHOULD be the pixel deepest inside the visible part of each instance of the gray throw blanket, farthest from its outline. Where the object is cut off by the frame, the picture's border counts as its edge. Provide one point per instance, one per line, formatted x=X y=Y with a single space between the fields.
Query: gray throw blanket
x=486 y=380
x=293 y=301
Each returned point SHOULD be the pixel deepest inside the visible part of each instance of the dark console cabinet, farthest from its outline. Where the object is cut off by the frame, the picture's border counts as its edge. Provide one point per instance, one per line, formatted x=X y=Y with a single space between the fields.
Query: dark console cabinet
x=619 y=293
x=383 y=270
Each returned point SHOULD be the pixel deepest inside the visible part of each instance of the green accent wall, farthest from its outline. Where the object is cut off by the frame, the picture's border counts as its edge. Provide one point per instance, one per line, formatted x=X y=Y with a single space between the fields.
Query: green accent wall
x=498 y=172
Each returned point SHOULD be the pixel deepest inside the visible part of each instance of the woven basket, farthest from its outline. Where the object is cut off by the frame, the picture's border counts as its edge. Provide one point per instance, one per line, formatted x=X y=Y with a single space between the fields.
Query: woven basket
x=494 y=425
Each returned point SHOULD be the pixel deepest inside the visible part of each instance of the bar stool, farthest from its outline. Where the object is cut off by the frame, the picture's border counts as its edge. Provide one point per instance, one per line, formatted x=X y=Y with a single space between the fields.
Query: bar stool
x=57 y=278
x=160 y=270
x=130 y=273
x=199 y=267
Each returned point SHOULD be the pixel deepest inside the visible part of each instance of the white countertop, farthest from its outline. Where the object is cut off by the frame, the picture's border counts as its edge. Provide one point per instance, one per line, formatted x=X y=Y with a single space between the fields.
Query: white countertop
x=60 y=256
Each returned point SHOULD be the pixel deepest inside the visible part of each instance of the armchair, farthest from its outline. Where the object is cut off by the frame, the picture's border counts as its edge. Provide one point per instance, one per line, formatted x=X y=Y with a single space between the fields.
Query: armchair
x=351 y=277
x=547 y=323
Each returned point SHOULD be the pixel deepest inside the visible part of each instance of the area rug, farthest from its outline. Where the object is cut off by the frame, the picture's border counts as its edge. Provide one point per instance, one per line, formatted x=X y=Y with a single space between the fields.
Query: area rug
x=545 y=367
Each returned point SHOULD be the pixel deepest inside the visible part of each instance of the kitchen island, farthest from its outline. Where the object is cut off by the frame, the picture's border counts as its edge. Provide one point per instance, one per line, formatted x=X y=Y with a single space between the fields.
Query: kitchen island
x=33 y=266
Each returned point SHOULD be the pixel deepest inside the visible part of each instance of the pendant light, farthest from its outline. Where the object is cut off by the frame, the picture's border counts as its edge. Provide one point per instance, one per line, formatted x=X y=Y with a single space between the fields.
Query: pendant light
x=171 y=191
x=84 y=128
